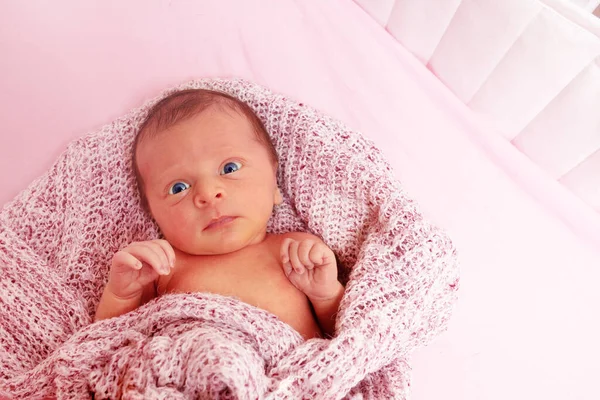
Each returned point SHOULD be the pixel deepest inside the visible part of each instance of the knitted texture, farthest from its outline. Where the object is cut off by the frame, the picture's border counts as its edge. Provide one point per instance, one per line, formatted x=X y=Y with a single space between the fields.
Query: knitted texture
x=58 y=236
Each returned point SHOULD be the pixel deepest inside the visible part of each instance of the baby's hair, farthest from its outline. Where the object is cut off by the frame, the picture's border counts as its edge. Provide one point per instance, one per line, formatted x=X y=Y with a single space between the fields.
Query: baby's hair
x=183 y=105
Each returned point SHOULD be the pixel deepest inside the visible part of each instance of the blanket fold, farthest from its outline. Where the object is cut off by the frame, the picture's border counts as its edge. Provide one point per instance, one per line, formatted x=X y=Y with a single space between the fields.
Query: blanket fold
x=58 y=236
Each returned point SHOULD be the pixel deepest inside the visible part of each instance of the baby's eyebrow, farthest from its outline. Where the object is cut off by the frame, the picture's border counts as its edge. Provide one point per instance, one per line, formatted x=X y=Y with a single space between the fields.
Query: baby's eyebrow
x=166 y=176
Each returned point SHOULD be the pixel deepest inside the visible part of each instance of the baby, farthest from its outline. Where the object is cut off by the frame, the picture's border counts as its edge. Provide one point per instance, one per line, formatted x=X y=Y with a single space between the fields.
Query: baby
x=206 y=171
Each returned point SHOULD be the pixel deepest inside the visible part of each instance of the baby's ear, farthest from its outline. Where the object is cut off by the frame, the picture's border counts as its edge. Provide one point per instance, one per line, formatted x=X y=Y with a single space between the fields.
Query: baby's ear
x=277 y=197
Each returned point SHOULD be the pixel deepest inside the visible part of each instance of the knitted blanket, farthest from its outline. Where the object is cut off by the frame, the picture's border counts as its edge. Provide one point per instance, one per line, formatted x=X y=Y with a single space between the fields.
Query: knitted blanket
x=58 y=236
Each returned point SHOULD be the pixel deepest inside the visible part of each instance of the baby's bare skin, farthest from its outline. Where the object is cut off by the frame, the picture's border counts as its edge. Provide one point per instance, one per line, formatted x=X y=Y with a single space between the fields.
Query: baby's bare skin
x=253 y=274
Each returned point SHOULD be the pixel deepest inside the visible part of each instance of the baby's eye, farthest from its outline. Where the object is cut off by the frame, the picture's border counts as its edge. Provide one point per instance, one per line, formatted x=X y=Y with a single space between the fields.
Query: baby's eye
x=231 y=167
x=178 y=187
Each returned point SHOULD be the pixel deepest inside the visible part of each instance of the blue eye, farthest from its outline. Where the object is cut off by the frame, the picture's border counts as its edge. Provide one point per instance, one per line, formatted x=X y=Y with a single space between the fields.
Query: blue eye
x=178 y=187
x=231 y=167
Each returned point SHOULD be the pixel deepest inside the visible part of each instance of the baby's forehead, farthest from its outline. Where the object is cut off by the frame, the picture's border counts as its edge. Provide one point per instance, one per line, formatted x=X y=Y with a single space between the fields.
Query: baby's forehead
x=220 y=123
x=219 y=132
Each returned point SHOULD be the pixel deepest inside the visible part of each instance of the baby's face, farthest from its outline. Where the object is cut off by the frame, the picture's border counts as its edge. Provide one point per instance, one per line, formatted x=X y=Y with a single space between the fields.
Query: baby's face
x=208 y=167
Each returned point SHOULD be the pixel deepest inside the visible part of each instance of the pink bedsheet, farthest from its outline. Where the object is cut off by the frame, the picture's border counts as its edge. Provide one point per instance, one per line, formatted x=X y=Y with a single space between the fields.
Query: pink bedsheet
x=526 y=324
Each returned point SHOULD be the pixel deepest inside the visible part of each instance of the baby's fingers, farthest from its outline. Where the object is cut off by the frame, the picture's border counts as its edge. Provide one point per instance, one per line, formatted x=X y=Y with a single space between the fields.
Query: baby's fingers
x=167 y=249
x=320 y=254
x=151 y=254
x=304 y=250
x=123 y=259
x=294 y=259
x=129 y=275
x=284 y=254
x=284 y=251
x=159 y=260
x=289 y=257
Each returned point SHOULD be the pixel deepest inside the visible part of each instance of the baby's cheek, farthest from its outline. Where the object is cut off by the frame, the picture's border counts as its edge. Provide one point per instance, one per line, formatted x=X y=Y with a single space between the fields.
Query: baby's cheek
x=258 y=200
x=173 y=224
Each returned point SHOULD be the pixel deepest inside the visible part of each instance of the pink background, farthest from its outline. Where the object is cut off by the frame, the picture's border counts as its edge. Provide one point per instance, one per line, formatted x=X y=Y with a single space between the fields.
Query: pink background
x=526 y=324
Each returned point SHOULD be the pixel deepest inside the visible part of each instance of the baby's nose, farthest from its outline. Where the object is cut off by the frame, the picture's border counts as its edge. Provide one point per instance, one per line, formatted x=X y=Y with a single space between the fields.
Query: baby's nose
x=209 y=196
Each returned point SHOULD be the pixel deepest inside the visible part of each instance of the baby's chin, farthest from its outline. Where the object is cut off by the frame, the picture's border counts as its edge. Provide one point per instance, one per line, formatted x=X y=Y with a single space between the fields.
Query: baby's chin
x=224 y=242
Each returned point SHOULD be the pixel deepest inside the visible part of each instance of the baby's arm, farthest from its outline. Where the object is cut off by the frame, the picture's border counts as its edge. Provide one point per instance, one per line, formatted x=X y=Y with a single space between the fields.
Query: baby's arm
x=112 y=305
x=311 y=266
x=132 y=275
x=326 y=310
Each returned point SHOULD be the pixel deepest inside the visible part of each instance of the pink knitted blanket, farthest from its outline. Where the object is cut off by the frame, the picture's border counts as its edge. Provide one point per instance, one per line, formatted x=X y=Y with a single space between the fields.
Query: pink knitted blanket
x=58 y=236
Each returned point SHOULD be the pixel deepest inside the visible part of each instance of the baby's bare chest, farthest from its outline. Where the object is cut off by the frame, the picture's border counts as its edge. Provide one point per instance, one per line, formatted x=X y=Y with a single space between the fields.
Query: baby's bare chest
x=255 y=277
x=251 y=276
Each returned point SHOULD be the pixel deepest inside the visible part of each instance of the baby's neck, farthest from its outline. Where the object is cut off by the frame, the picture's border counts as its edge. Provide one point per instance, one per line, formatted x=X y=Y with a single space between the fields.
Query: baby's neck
x=267 y=238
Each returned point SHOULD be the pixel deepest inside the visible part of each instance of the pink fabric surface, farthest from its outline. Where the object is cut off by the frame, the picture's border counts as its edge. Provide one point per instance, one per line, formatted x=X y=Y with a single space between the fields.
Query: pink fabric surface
x=525 y=323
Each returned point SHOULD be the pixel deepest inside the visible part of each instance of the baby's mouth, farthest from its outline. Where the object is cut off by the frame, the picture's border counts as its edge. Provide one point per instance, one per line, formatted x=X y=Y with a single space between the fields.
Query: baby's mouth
x=216 y=223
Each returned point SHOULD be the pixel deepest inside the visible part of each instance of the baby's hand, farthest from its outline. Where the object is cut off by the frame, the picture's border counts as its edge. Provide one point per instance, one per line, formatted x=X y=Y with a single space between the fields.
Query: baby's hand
x=310 y=265
x=139 y=264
